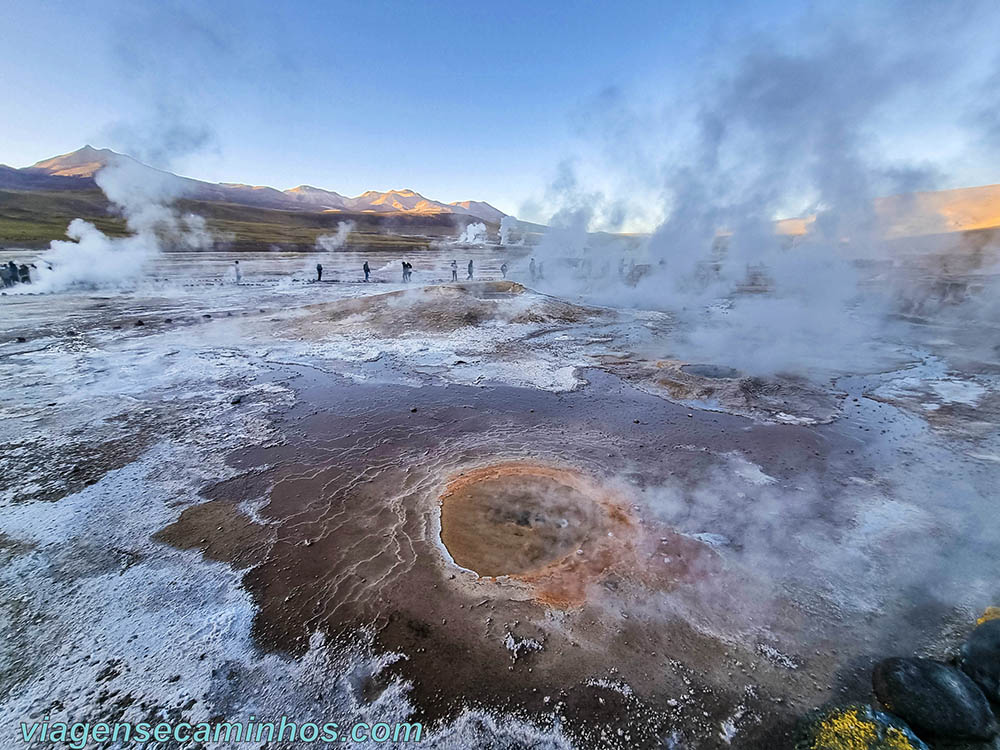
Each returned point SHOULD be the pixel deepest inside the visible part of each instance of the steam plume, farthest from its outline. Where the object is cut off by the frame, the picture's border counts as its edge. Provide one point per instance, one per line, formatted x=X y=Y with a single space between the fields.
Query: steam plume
x=508 y=232
x=474 y=234
x=790 y=129
x=144 y=197
x=337 y=240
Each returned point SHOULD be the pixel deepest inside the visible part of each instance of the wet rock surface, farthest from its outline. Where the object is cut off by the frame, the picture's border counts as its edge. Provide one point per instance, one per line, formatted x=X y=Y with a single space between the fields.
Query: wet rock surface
x=934 y=698
x=980 y=658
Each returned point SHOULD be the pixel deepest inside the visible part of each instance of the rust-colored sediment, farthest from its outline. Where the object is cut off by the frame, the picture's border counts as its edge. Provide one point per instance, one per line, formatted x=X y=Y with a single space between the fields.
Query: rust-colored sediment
x=554 y=529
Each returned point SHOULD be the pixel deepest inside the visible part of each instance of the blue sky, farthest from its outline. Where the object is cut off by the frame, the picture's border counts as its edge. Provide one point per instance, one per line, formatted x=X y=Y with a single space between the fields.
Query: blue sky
x=455 y=100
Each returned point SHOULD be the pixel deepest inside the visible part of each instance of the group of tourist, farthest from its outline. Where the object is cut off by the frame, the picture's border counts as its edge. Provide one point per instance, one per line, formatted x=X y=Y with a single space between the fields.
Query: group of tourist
x=407 y=271
x=11 y=273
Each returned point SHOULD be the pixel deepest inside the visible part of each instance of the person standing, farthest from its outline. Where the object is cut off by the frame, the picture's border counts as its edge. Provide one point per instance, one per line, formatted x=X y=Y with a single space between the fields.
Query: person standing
x=469 y=277
x=503 y=270
x=319 y=272
x=239 y=273
x=367 y=270
x=12 y=270
x=454 y=270
x=532 y=270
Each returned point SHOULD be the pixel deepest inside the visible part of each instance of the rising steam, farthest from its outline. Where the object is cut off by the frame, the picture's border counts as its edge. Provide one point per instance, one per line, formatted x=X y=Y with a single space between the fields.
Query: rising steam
x=787 y=130
x=509 y=234
x=474 y=234
x=143 y=196
x=337 y=240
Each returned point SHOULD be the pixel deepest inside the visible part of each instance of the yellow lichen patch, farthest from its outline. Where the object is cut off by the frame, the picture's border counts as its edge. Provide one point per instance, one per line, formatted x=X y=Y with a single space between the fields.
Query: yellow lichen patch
x=896 y=740
x=846 y=730
x=851 y=729
x=991 y=613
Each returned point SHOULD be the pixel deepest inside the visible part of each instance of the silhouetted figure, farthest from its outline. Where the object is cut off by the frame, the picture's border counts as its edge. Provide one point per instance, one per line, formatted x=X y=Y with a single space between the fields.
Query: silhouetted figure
x=24 y=274
x=12 y=270
x=454 y=270
x=239 y=273
x=367 y=270
x=5 y=277
x=319 y=272
x=532 y=270
x=541 y=273
x=469 y=277
x=503 y=270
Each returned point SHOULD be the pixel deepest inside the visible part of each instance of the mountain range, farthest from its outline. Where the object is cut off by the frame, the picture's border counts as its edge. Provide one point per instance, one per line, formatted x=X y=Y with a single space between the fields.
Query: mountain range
x=41 y=192
x=77 y=170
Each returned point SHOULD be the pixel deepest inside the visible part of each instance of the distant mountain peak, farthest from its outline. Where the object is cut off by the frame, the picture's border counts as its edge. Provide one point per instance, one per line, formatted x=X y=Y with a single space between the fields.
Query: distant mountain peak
x=480 y=209
x=84 y=162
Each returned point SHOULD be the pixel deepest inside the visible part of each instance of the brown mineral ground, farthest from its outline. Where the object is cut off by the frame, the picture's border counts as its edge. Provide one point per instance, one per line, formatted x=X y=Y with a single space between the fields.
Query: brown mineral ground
x=510 y=543
x=783 y=399
x=437 y=309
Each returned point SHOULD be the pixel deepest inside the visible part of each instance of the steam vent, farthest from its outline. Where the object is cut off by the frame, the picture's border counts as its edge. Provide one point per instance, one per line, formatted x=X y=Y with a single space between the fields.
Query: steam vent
x=523 y=519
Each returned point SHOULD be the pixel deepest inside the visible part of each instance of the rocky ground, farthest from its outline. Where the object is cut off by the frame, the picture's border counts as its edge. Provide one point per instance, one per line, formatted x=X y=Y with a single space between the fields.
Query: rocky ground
x=520 y=520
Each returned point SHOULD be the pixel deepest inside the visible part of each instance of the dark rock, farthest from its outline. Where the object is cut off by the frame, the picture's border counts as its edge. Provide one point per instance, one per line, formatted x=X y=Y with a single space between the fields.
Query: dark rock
x=980 y=658
x=21 y=339
x=139 y=323
x=236 y=399
x=168 y=320
x=855 y=727
x=934 y=698
x=413 y=409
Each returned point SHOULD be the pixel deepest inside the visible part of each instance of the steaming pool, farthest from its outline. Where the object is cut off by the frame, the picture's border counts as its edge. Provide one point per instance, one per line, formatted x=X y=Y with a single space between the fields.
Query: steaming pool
x=712 y=372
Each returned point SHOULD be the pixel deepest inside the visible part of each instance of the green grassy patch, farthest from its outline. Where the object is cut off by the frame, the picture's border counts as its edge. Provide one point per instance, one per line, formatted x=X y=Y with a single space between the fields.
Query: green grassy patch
x=35 y=218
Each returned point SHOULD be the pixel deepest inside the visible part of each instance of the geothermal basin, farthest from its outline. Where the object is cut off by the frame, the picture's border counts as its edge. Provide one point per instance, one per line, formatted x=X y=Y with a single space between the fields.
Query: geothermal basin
x=507 y=518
